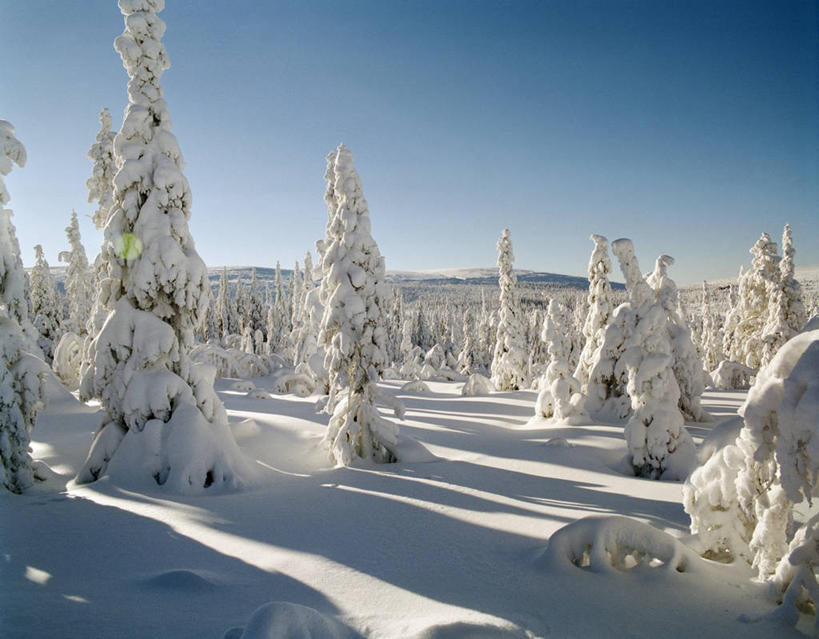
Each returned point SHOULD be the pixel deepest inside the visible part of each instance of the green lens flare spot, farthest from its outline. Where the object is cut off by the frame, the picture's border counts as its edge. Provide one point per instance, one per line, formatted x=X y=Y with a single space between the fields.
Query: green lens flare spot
x=128 y=246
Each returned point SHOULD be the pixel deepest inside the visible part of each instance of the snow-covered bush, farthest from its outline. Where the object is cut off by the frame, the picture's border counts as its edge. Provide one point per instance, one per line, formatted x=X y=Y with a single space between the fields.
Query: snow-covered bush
x=741 y=501
x=21 y=374
x=415 y=386
x=732 y=376
x=559 y=395
x=68 y=360
x=163 y=421
x=477 y=384
x=355 y=296
x=509 y=361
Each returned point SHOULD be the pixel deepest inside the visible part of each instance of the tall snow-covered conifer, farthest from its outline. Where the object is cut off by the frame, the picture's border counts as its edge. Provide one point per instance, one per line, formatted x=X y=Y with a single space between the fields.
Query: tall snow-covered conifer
x=509 y=361
x=600 y=306
x=101 y=183
x=79 y=287
x=21 y=384
x=46 y=304
x=164 y=422
x=356 y=299
x=786 y=315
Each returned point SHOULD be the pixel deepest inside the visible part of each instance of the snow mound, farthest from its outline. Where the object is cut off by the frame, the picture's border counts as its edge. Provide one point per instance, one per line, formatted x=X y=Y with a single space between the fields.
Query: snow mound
x=611 y=544
x=558 y=442
x=258 y=393
x=477 y=384
x=243 y=386
x=463 y=630
x=732 y=376
x=245 y=428
x=416 y=386
x=284 y=620
x=181 y=580
x=812 y=325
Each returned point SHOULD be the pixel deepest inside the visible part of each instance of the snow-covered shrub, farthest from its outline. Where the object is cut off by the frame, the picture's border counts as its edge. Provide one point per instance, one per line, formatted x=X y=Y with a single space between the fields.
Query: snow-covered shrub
x=741 y=501
x=509 y=361
x=611 y=544
x=559 y=395
x=732 y=376
x=296 y=383
x=21 y=374
x=435 y=357
x=355 y=296
x=415 y=386
x=477 y=384
x=68 y=359
x=163 y=422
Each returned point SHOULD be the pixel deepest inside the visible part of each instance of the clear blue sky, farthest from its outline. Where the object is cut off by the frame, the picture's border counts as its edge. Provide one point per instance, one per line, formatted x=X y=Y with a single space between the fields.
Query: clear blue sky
x=689 y=126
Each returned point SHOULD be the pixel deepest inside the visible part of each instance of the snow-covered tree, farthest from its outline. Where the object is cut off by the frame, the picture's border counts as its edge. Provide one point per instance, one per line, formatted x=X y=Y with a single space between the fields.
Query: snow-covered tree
x=79 y=284
x=101 y=183
x=686 y=363
x=600 y=306
x=786 y=315
x=742 y=500
x=711 y=337
x=163 y=421
x=509 y=361
x=356 y=299
x=560 y=393
x=466 y=358
x=46 y=306
x=21 y=383
x=255 y=303
x=659 y=446
x=222 y=306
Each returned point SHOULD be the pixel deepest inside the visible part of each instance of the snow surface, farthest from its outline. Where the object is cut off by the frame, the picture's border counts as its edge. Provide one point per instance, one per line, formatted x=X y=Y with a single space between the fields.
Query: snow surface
x=448 y=543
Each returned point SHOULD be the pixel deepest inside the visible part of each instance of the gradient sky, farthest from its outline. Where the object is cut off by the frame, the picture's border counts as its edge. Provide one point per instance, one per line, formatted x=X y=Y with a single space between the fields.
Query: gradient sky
x=689 y=126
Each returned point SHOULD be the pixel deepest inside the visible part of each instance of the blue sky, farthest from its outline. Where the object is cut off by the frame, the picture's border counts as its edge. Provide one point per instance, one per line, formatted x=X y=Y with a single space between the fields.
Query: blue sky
x=690 y=127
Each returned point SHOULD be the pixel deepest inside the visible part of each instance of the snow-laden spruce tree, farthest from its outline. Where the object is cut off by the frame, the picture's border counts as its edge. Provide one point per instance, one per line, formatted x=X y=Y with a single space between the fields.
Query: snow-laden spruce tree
x=658 y=444
x=163 y=421
x=686 y=363
x=600 y=306
x=560 y=393
x=786 y=315
x=101 y=183
x=356 y=300
x=711 y=340
x=46 y=304
x=509 y=361
x=79 y=281
x=742 y=501
x=21 y=381
x=757 y=288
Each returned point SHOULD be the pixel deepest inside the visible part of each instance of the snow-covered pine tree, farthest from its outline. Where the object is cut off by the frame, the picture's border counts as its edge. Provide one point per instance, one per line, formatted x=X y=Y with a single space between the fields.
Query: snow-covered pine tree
x=712 y=353
x=46 y=304
x=686 y=363
x=395 y=326
x=786 y=315
x=255 y=302
x=658 y=443
x=600 y=307
x=101 y=183
x=21 y=383
x=163 y=421
x=509 y=361
x=79 y=281
x=356 y=299
x=466 y=358
x=222 y=306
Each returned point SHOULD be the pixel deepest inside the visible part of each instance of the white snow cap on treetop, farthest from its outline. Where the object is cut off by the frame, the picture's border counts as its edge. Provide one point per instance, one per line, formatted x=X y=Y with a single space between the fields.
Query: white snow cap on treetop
x=11 y=151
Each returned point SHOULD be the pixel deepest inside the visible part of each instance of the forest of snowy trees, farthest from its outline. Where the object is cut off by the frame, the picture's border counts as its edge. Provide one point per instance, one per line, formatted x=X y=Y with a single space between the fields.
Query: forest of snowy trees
x=142 y=331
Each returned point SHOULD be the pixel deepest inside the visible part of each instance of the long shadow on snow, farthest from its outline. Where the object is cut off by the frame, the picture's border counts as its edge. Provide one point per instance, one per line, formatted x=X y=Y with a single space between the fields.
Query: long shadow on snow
x=73 y=568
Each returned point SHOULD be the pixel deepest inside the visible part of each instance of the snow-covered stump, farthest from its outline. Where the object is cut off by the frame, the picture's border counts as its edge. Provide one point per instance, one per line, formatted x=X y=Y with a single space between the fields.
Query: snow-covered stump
x=356 y=301
x=741 y=501
x=163 y=422
x=615 y=544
